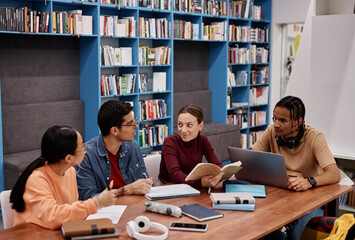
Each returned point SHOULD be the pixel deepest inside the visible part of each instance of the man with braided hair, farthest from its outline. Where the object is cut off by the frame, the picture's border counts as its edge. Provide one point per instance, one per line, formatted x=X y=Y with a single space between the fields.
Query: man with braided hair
x=308 y=159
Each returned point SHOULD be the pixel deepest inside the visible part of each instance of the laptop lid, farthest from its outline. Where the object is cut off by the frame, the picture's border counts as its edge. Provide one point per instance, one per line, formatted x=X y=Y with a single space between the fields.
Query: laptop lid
x=260 y=167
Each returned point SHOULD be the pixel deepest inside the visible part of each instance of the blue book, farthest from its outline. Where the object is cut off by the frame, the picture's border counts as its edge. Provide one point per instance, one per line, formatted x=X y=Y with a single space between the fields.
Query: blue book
x=234 y=206
x=255 y=190
x=199 y=212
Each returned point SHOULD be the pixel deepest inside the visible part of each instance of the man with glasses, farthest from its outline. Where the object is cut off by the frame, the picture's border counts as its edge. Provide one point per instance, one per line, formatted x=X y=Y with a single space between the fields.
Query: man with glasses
x=114 y=155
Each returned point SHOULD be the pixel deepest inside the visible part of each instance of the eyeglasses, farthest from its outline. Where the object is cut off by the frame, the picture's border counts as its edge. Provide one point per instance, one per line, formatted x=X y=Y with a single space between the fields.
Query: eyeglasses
x=131 y=123
x=85 y=148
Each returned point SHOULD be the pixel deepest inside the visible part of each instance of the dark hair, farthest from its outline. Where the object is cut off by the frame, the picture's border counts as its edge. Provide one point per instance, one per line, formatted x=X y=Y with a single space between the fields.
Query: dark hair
x=57 y=143
x=194 y=110
x=295 y=106
x=111 y=114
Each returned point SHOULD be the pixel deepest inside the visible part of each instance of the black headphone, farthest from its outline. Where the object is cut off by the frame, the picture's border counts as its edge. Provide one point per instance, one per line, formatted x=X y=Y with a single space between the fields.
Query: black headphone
x=291 y=142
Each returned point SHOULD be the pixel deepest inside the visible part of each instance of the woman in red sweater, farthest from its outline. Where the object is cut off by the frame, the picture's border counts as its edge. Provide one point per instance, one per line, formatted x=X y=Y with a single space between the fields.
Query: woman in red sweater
x=183 y=151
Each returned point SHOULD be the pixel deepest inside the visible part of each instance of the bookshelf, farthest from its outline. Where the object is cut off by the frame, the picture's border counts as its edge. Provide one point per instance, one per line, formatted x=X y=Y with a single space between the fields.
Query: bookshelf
x=200 y=21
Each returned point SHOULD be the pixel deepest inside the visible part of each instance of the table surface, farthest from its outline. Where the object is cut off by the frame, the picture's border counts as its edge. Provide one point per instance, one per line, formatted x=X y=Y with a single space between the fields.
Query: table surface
x=280 y=207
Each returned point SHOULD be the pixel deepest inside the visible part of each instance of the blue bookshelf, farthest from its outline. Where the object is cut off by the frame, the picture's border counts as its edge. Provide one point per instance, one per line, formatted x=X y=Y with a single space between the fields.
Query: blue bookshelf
x=198 y=15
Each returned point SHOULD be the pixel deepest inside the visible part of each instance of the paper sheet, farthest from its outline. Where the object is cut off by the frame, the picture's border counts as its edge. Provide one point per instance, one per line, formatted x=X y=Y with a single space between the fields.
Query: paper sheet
x=113 y=212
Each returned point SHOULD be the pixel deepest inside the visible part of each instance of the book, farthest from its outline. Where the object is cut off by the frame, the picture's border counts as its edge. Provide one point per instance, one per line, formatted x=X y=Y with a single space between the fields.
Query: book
x=235 y=198
x=233 y=206
x=254 y=190
x=159 y=81
x=199 y=212
x=171 y=191
x=84 y=228
x=204 y=169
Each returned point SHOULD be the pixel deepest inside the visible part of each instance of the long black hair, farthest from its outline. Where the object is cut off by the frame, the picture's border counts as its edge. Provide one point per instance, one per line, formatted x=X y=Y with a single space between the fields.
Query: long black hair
x=295 y=106
x=57 y=143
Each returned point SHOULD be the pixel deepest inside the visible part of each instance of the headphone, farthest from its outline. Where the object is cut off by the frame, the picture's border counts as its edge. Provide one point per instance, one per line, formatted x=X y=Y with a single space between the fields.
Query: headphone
x=291 y=142
x=140 y=225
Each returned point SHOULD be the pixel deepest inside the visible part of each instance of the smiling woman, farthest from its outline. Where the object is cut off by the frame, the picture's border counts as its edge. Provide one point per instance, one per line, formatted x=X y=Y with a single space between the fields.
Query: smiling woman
x=183 y=151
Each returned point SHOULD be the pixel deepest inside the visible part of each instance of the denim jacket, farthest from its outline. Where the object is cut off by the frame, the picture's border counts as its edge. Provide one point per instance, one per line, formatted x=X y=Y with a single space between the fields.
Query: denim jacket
x=93 y=173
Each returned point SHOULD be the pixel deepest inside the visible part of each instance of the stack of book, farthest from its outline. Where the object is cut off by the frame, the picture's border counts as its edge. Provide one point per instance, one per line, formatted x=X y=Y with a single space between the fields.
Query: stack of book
x=233 y=201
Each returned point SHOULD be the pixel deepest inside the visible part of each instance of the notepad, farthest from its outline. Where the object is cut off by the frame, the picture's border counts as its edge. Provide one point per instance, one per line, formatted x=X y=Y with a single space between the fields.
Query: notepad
x=171 y=191
x=199 y=212
x=255 y=190
x=230 y=206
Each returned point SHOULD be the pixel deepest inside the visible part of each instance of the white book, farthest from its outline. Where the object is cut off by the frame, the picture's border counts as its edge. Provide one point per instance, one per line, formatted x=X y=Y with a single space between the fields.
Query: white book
x=102 y=24
x=126 y=55
x=170 y=191
x=159 y=81
x=87 y=24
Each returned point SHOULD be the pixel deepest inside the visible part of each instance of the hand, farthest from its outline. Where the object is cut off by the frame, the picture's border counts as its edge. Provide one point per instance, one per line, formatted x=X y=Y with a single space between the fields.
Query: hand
x=211 y=180
x=294 y=174
x=139 y=187
x=107 y=197
x=298 y=184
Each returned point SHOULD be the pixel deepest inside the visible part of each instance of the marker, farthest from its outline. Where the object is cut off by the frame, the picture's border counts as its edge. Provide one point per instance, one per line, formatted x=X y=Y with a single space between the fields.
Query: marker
x=144 y=175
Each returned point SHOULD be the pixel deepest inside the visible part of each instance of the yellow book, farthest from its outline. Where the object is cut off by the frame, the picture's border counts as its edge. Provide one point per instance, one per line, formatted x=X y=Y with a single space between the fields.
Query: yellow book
x=54 y=23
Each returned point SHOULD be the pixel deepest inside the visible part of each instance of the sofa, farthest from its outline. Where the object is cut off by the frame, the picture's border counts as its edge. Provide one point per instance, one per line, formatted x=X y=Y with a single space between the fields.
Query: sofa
x=39 y=88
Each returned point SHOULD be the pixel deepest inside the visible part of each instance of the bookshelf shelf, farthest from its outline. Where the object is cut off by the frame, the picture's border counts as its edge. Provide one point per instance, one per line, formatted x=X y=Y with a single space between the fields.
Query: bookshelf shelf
x=91 y=67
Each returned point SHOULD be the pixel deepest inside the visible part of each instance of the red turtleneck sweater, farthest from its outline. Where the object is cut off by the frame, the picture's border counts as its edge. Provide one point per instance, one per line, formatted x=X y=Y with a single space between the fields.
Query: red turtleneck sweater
x=179 y=158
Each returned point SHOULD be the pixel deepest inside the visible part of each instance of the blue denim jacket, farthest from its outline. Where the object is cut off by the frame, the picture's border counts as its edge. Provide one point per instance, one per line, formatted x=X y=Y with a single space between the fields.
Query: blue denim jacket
x=93 y=173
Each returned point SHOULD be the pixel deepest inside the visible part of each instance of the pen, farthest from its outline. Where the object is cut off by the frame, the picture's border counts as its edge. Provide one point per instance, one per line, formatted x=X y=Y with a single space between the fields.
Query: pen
x=144 y=175
x=209 y=189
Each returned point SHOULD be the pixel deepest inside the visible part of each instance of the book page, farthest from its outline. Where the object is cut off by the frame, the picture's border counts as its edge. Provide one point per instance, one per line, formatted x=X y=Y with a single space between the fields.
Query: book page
x=203 y=169
x=231 y=169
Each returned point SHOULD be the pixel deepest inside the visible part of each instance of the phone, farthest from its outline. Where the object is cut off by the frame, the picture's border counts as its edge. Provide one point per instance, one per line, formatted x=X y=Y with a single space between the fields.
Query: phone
x=196 y=227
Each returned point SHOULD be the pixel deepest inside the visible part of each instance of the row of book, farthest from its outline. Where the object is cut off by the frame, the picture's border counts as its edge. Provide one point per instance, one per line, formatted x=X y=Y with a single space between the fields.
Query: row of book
x=256 y=12
x=117 y=85
x=239 y=8
x=259 y=54
x=351 y=197
x=186 y=30
x=154 y=56
x=214 y=7
x=158 y=4
x=23 y=19
x=152 y=135
x=239 y=33
x=238 y=55
x=155 y=84
x=131 y=3
x=214 y=31
x=239 y=78
x=259 y=76
x=259 y=95
x=253 y=137
x=152 y=109
x=257 y=118
x=72 y=22
x=259 y=35
x=113 y=26
x=154 y=27
x=239 y=118
x=121 y=56
x=193 y=6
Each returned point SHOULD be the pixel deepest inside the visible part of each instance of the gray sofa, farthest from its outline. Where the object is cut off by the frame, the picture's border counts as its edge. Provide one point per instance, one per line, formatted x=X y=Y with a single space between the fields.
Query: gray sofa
x=191 y=87
x=39 y=88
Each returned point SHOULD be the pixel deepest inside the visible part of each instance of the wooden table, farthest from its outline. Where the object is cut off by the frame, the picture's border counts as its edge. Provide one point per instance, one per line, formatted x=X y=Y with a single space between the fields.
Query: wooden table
x=280 y=207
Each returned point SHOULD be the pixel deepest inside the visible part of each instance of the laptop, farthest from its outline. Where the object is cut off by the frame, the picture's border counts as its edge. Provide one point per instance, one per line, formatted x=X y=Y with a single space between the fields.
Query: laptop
x=260 y=167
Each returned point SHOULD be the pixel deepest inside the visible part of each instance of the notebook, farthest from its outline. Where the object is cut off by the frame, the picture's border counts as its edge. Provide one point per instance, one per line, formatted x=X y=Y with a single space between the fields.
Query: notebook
x=199 y=212
x=260 y=167
x=171 y=191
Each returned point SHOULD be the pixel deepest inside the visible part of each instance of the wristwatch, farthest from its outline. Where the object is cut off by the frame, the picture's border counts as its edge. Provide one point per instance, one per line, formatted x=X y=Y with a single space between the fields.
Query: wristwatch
x=312 y=181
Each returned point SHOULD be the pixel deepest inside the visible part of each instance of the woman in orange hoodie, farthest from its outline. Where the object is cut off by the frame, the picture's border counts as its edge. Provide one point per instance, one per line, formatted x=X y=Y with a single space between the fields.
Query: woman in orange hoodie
x=46 y=193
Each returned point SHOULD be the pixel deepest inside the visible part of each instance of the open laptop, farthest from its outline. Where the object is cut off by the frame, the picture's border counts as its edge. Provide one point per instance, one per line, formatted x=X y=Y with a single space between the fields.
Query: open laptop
x=260 y=167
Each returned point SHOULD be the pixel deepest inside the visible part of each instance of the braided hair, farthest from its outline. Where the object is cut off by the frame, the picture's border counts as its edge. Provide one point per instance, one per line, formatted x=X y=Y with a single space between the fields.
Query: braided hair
x=295 y=106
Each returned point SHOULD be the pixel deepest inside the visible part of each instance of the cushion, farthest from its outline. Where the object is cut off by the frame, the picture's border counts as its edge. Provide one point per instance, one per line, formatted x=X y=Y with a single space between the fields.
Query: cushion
x=24 y=125
x=202 y=98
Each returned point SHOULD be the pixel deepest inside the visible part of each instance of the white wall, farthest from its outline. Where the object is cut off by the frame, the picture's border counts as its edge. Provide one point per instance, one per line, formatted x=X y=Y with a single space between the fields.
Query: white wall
x=331 y=108
x=289 y=11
